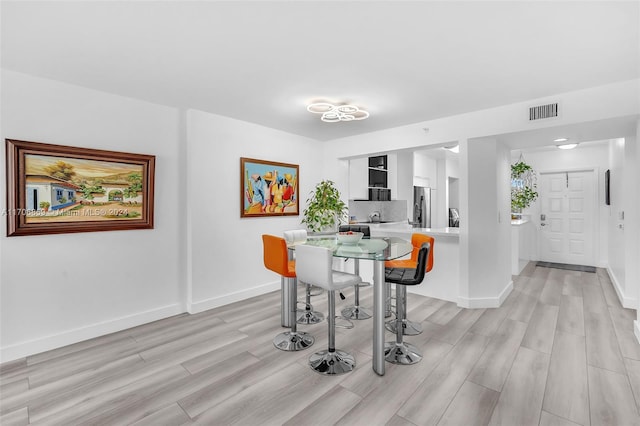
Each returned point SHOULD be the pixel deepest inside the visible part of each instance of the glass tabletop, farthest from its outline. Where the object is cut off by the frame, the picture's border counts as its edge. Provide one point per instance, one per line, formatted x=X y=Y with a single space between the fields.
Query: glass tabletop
x=374 y=248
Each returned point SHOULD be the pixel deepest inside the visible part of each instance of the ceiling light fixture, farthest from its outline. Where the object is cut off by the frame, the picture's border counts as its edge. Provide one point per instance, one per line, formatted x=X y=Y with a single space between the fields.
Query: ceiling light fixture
x=567 y=146
x=335 y=113
x=561 y=140
x=455 y=148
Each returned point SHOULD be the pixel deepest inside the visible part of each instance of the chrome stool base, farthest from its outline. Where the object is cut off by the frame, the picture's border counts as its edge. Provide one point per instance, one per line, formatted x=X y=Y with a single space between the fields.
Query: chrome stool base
x=356 y=313
x=401 y=353
x=315 y=291
x=309 y=317
x=293 y=341
x=332 y=363
x=409 y=328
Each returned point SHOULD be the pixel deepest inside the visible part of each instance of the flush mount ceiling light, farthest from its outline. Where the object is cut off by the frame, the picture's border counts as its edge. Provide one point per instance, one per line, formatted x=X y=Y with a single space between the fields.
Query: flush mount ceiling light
x=567 y=146
x=561 y=140
x=454 y=148
x=335 y=113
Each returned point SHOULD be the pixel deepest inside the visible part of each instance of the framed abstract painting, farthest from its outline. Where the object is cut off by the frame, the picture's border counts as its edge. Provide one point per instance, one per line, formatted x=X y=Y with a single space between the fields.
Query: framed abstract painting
x=268 y=188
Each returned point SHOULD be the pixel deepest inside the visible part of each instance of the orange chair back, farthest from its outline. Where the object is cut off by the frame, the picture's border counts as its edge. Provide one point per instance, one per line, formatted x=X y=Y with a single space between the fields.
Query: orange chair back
x=416 y=241
x=276 y=258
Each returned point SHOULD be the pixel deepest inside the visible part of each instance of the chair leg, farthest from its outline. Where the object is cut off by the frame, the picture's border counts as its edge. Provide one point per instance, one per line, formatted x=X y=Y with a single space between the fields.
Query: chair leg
x=409 y=328
x=400 y=352
x=293 y=340
x=309 y=316
x=387 y=298
x=356 y=311
x=332 y=361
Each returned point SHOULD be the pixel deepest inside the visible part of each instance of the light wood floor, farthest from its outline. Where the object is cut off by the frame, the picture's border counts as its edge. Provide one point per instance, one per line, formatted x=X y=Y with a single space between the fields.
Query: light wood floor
x=560 y=351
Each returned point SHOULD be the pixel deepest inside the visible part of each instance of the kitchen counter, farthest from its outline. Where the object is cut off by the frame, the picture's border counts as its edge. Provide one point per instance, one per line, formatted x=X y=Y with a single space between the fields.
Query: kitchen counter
x=381 y=228
x=443 y=280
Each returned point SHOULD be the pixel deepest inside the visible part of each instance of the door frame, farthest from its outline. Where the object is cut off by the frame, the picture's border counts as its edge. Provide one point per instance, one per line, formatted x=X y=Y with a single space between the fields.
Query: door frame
x=595 y=198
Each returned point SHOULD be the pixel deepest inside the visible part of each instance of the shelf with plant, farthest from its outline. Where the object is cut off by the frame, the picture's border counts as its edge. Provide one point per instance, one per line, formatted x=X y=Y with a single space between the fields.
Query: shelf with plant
x=523 y=186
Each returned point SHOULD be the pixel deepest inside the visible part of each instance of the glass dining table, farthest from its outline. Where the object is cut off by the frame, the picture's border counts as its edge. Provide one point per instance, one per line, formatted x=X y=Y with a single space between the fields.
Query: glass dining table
x=379 y=250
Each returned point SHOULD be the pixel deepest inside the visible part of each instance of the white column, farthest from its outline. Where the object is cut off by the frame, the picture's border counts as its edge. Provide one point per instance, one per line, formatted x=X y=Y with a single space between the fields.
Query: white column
x=485 y=224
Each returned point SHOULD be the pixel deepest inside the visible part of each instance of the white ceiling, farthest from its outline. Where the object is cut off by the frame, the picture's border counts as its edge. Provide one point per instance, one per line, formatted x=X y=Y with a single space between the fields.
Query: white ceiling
x=262 y=62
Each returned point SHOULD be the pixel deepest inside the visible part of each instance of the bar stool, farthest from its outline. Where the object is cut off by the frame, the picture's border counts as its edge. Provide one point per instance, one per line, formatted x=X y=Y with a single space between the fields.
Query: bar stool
x=276 y=259
x=308 y=315
x=400 y=352
x=410 y=328
x=356 y=311
x=314 y=265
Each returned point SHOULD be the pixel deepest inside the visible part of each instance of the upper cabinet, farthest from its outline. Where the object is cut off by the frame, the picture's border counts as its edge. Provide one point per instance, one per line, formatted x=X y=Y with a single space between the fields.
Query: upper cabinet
x=378 y=168
x=358 y=178
x=372 y=174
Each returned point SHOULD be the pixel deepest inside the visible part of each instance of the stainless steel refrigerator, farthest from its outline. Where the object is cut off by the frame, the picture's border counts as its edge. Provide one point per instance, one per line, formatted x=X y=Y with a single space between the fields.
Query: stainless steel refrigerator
x=422 y=206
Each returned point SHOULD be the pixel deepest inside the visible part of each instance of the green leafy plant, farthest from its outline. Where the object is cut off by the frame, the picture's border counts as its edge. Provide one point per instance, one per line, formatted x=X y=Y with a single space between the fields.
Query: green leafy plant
x=523 y=186
x=44 y=205
x=324 y=209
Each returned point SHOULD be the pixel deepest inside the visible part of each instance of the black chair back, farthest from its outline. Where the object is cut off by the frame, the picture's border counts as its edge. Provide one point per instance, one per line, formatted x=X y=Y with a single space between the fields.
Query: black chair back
x=410 y=276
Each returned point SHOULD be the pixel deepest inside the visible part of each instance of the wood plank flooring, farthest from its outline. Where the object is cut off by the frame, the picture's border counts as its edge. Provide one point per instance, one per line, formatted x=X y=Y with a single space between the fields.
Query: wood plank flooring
x=559 y=351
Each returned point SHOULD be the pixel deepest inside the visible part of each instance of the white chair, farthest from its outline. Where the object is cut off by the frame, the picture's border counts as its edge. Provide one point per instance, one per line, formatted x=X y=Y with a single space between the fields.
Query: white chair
x=314 y=265
x=356 y=311
x=308 y=315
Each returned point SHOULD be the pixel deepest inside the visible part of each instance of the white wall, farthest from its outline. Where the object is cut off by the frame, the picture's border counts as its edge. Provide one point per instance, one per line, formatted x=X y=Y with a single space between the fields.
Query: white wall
x=59 y=289
x=226 y=250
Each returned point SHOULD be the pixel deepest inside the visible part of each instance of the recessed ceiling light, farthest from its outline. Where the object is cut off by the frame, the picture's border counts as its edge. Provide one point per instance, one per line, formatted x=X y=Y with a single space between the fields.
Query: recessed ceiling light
x=567 y=146
x=561 y=140
x=335 y=113
x=455 y=148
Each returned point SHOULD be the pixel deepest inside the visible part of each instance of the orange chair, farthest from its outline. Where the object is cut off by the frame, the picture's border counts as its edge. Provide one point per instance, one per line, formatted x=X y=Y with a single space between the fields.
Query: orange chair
x=410 y=328
x=277 y=260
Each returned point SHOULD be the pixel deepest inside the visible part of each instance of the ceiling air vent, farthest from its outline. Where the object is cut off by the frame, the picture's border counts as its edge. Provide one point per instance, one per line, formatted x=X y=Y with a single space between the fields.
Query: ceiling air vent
x=543 y=111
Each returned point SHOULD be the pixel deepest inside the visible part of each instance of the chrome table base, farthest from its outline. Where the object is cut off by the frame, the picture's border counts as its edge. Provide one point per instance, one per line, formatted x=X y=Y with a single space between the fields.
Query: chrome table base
x=409 y=328
x=332 y=363
x=293 y=341
x=401 y=353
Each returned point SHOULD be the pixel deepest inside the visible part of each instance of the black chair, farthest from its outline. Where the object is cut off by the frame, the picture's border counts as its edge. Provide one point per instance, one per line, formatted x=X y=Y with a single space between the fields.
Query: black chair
x=400 y=352
x=355 y=311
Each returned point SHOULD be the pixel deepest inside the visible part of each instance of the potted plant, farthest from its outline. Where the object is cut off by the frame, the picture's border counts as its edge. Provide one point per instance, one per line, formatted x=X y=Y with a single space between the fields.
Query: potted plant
x=44 y=205
x=523 y=186
x=325 y=210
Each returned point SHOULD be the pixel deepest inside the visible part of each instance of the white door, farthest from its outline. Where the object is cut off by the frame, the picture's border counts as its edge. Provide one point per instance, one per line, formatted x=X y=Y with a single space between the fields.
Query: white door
x=567 y=219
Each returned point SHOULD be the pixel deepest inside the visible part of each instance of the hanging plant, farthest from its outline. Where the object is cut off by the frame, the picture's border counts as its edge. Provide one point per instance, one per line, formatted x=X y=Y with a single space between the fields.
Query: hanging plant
x=523 y=186
x=324 y=209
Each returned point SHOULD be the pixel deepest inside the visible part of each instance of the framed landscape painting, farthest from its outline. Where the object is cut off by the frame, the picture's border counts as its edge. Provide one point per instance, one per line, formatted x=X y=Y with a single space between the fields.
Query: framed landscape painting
x=54 y=189
x=268 y=188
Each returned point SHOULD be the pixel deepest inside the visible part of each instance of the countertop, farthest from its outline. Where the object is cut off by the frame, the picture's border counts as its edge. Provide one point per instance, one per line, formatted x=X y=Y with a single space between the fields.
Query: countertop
x=405 y=228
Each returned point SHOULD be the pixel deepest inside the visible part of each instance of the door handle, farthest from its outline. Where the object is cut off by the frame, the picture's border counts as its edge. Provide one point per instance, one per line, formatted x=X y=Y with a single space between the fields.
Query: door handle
x=543 y=224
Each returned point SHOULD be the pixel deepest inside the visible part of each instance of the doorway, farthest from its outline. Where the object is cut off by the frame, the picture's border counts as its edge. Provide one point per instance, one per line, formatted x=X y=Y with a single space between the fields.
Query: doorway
x=568 y=217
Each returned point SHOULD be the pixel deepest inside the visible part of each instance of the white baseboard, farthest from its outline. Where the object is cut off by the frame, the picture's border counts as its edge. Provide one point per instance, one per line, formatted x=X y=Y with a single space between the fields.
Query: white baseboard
x=35 y=346
x=636 y=330
x=214 y=302
x=626 y=302
x=486 y=302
